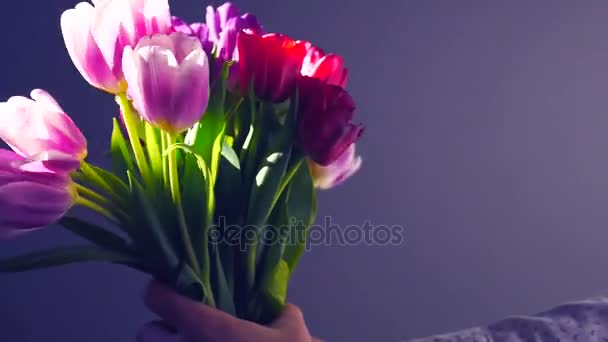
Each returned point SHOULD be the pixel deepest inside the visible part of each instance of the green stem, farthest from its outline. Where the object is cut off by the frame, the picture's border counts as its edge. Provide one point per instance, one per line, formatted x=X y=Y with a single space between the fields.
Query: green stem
x=175 y=193
x=257 y=120
x=100 y=200
x=164 y=145
x=206 y=252
x=91 y=194
x=95 y=207
x=131 y=125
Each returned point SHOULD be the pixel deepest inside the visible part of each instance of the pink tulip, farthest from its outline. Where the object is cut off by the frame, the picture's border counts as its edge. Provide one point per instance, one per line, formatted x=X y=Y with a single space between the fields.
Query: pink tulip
x=39 y=130
x=336 y=173
x=30 y=199
x=329 y=68
x=96 y=35
x=168 y=78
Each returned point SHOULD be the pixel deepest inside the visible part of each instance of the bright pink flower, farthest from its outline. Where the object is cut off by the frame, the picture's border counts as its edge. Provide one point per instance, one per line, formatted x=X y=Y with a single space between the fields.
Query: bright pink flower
x=336 y=173
x=96 y=35
x=168 y=78
x=30 y=199
x=328 y=68
x=272 y=62
x=39 y=130
x=325 y=127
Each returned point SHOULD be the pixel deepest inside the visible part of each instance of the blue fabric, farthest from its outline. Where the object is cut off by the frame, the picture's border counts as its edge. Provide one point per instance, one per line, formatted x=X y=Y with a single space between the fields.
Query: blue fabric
x=585 y=321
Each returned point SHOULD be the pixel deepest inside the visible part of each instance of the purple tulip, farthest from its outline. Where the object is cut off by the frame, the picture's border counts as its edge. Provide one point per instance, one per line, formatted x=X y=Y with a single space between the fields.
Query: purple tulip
x=96 y=35
x=31 y=197
x=197 y=30
x=39 y=130
x=325 y=127
x=336 y=173
x=218 y=35
x=224 y=24
x=168 y=78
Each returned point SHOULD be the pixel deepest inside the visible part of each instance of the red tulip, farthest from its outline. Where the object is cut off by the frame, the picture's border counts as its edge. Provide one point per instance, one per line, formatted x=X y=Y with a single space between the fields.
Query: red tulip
x=272 y=62
x=328 y=68
x=325 y=128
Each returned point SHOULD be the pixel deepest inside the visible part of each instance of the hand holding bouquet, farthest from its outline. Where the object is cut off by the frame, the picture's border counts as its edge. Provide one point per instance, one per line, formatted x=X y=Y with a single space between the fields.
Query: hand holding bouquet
x=223 y=134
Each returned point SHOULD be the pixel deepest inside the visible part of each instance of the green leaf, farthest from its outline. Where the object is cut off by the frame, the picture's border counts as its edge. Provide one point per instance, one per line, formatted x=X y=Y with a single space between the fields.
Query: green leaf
x=207 y=136
x=229 y=190
x=275 y=293
x=62 y=256
x=106 y=181
x=152 y=222
x=121 y=156
x=270 y=254
x=229 y=154
x=198 y=203
x=301 y=208
x=220 y=284
x=270 y=174
x=101 y=237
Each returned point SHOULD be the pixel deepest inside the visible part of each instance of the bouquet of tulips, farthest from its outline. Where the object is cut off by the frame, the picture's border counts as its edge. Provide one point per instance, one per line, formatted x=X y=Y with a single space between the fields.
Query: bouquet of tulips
x=224 y=133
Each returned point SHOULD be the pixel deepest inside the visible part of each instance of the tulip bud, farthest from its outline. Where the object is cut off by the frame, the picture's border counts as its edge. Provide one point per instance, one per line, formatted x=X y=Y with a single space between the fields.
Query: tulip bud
x=30 y=199
x=272 y=62
x=96 y=35
x=334 y=174
x=328 y=68
x=168 y=78
x=39 y=129
x=325 y=128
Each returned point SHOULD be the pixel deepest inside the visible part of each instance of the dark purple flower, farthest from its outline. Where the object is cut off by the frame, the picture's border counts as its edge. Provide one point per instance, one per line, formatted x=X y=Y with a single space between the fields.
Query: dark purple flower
x=325 y=127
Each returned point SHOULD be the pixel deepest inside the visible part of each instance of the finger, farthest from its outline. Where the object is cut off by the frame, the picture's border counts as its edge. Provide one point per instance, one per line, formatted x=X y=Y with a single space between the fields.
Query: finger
x=156 y=332
x=189 y=316
x=291 y=317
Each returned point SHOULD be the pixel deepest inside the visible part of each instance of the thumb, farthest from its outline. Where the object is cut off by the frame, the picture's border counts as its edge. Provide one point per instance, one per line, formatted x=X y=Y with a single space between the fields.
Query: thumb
x=291 y=318
x=292 y=322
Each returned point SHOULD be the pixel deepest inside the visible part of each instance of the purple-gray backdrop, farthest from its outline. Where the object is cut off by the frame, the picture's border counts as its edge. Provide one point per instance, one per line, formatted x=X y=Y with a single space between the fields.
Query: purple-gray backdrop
x=486 y=139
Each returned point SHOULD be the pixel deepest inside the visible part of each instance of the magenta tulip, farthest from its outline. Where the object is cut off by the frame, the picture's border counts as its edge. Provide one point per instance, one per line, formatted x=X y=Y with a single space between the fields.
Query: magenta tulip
x=328 y=68
x=38 y=129
x=325 y=127
x=271 y=62
x=168 y=78
x=96 y=35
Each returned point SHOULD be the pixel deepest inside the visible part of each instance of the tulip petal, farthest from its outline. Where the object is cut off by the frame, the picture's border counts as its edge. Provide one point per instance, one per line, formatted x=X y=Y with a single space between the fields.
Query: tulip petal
x=191 y=92
x=39 y=126
x=168 y=77
x=336 y=173
x=27 y=205
x=83 y=49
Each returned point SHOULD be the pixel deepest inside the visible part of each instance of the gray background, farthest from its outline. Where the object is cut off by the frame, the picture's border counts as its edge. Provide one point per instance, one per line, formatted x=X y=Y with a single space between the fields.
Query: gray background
x=486 y=138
